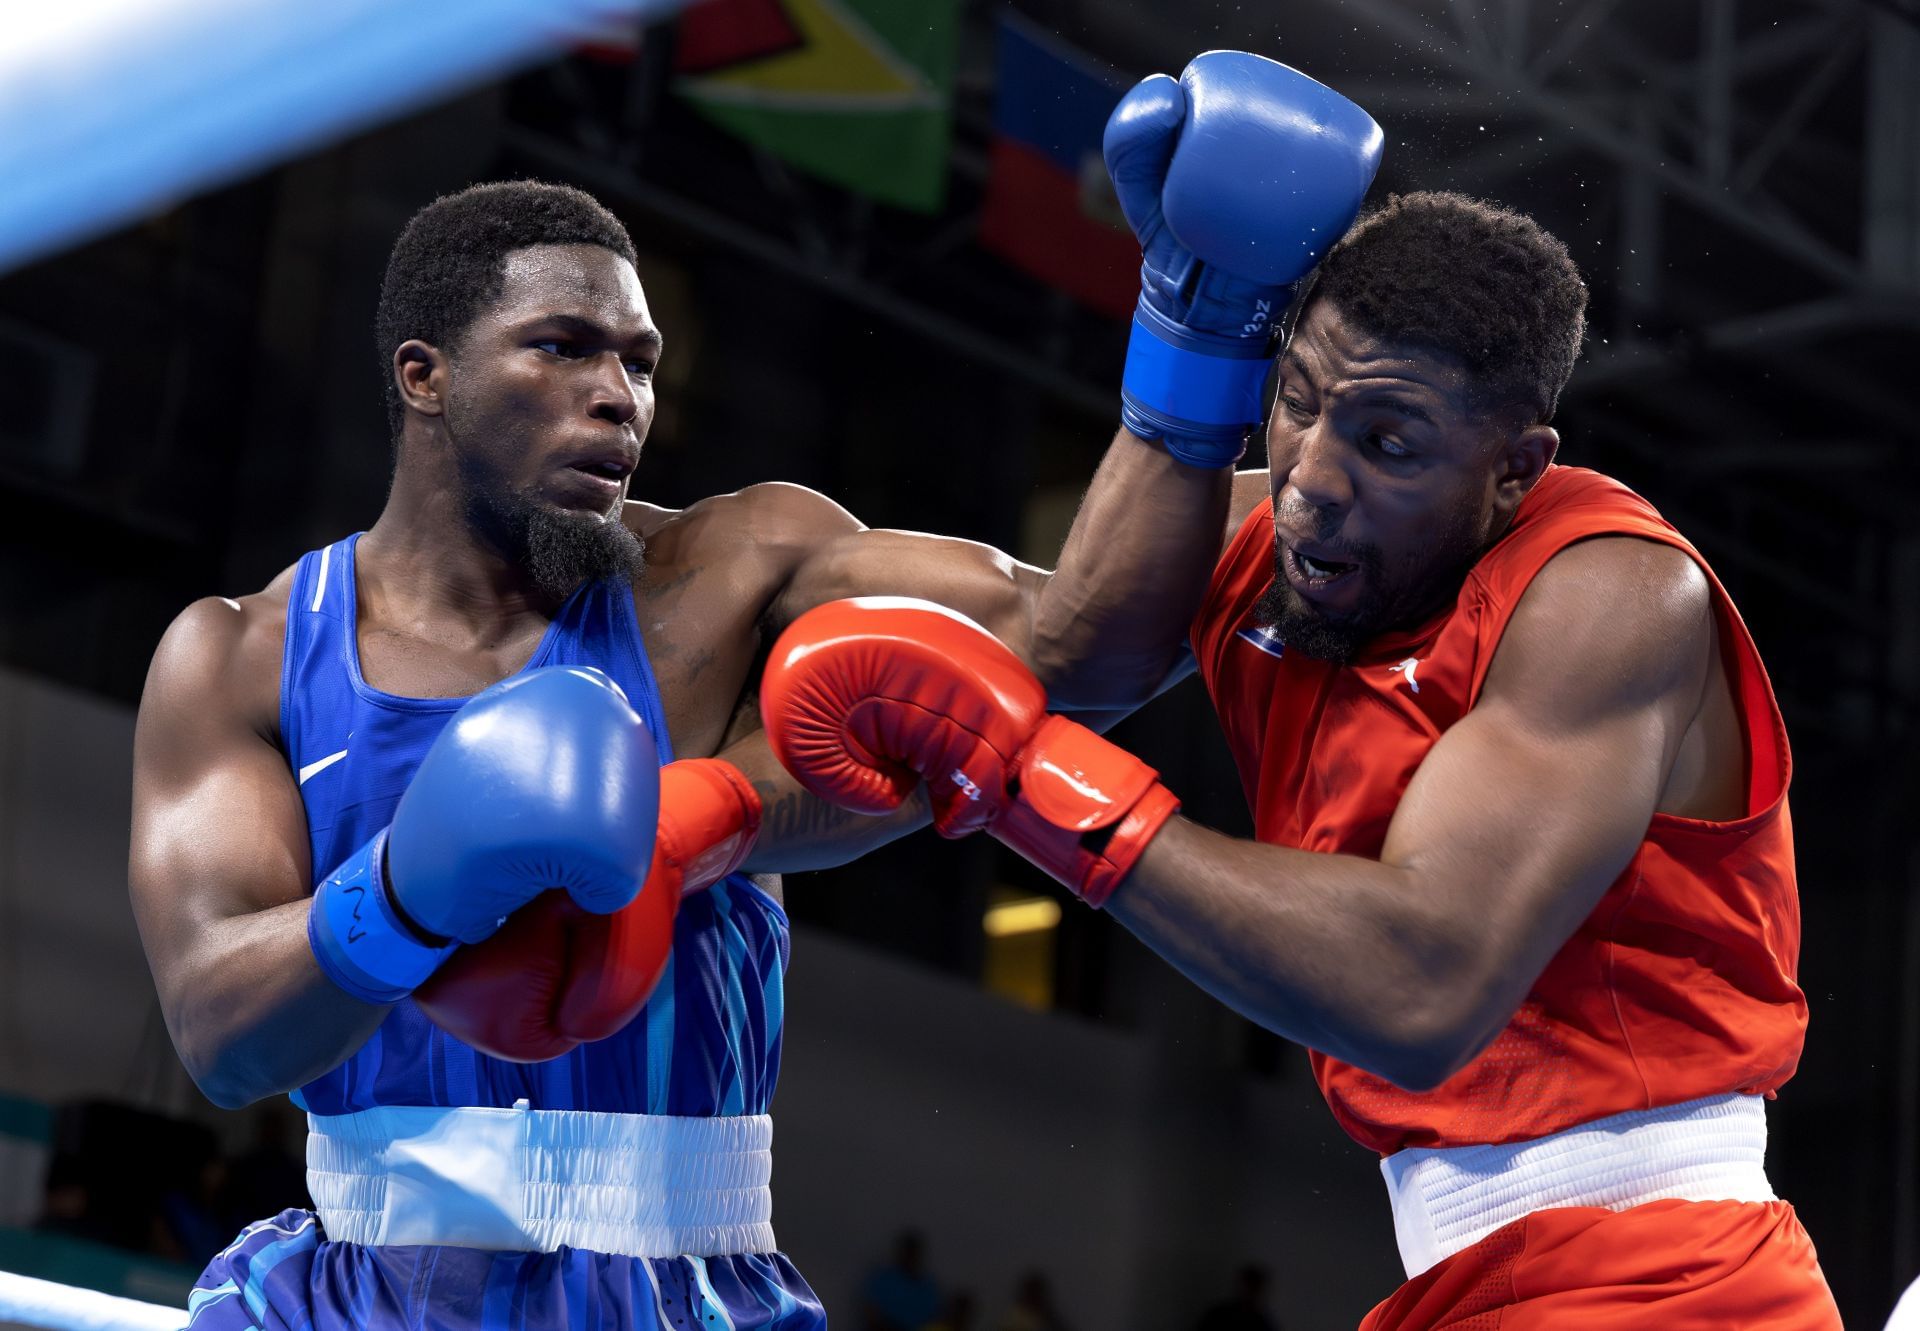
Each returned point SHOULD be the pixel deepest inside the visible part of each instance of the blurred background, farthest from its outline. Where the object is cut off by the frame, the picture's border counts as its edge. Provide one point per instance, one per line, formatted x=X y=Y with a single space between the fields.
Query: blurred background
x=877 y=236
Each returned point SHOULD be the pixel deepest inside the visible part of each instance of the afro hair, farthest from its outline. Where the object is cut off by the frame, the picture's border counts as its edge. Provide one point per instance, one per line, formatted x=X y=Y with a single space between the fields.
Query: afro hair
x=450 y=261
x=1468 y=279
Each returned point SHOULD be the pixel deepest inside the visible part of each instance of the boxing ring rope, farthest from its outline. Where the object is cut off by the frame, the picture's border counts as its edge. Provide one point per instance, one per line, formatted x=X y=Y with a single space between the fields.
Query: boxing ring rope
x=112 y=108
x=27 y=1302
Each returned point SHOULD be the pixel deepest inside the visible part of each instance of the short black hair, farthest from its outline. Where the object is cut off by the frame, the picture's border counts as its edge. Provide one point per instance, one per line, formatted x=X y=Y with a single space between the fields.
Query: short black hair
x=1472 y=280
x=450 y=261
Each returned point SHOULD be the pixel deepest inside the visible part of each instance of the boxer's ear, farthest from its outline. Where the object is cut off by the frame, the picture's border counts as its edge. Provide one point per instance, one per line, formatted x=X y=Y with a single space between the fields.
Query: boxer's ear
x=1519 y=461
x=420 y=374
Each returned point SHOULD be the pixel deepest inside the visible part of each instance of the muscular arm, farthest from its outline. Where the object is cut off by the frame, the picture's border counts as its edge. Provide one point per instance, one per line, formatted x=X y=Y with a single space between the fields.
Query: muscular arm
x=219 y=870
x=1514 y=826
x=845 y=559
x=1110 y=623
x=827 y=555
x=1105 y=629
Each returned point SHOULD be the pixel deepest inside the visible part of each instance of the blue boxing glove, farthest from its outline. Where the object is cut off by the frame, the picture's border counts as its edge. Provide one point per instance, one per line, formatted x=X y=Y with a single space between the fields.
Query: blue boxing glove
x=546 y=780
x=1235 y=179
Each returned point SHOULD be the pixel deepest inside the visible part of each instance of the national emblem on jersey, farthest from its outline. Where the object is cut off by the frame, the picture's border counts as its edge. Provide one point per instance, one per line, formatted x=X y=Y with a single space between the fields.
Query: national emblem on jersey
x=1265 y=637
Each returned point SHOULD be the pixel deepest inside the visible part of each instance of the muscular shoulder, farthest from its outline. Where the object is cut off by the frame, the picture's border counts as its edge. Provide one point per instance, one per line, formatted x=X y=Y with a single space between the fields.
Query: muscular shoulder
x=1611 y=621
x=775 y=522
x=222 y=654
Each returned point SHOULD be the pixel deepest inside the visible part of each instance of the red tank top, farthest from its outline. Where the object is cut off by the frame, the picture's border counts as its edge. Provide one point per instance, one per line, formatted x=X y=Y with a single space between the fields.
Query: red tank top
x=1680 y=983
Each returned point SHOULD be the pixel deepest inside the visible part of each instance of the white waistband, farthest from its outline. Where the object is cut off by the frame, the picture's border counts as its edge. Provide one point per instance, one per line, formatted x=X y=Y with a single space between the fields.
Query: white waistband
x=1448 y=1198
x=533 y=1180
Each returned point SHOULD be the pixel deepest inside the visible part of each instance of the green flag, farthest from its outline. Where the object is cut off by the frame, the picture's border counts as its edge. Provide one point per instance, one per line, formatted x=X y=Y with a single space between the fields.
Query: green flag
x=854 y=91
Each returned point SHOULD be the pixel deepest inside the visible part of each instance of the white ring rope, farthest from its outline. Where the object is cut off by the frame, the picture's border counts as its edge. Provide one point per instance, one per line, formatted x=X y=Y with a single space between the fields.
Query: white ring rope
x=25 y=1301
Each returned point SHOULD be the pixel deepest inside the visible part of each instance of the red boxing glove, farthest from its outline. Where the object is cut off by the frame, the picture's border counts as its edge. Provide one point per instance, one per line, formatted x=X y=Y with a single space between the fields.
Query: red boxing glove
x=863 y=699
x=555 y=975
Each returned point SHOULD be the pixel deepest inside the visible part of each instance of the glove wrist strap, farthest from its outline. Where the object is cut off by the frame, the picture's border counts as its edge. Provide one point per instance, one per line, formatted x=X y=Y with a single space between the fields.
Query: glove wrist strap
x=1199 y=393
x=1085 y=809
x=358 y=937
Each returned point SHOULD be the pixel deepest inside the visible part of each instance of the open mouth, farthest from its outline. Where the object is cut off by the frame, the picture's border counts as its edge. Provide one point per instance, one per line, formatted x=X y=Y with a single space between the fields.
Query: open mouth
x=1324 y=569
x=608 y=471
x=602 y=479
x=1316 y=572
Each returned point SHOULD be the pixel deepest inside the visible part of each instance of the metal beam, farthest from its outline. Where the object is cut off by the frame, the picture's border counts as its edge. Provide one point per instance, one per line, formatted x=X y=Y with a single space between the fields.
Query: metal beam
x=1716 y=89
x=1793 y=118
x=1573 y=33
x=1504 y=158
x=1812 y=320
x=1892 y=226
x=1637 y=277
x=1418 y=98
x=1763 y=52
x=1636 y=363
x=1778 y=232
x=1514 y=33
x=1466 y=17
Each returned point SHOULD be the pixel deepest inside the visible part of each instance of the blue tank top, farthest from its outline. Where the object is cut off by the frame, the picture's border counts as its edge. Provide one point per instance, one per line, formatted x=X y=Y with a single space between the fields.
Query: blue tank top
x=708 y=1041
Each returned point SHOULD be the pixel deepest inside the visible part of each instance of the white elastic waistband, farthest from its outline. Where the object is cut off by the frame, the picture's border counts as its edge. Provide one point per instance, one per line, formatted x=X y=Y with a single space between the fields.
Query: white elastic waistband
x=533 y=1180
x=1447 y=1198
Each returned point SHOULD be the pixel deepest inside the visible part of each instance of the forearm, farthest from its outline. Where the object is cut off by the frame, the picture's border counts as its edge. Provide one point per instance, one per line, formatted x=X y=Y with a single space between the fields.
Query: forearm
x=1343 y=954
x=799 y=831
x=1110 y=622
x=252 y=1015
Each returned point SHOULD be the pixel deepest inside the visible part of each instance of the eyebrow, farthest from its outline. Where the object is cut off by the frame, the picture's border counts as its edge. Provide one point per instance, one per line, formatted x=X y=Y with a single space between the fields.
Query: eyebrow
x=1291 y=360
x=1411 y=410
x=592 y=330
x=1378 y=397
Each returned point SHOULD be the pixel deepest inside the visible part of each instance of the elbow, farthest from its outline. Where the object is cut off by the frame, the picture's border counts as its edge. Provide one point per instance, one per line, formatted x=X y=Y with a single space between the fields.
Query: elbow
x=221 y=1081
x=1419 y=1050
x=226 y=1095
x=1446 y=1000
x=221 y=1071
x=1420 y=1070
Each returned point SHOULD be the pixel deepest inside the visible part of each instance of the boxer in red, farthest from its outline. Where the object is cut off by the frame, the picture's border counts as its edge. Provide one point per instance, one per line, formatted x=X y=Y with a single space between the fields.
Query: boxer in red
x=1523 y=874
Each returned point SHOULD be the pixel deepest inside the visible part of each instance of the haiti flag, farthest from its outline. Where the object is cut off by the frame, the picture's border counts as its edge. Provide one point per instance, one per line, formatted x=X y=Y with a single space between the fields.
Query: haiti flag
x=1050 y=209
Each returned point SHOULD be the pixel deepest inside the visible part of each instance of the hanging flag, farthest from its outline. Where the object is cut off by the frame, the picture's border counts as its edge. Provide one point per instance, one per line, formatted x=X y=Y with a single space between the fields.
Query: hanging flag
x=613 y=42
x=854 y=91
x=713 y=36
x=1050 y=209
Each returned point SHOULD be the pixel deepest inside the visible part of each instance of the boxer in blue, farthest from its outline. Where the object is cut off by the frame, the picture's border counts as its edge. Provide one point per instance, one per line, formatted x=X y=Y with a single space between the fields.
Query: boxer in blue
x=528 y=1107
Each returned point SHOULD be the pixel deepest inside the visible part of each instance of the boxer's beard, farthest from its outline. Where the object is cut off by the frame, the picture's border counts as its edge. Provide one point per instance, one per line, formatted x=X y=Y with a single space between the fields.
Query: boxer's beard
x=1396 y=596
x=559 y=550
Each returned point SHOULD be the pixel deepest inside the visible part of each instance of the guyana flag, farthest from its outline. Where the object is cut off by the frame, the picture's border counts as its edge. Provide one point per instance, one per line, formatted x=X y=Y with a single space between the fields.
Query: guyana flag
x=854 y=91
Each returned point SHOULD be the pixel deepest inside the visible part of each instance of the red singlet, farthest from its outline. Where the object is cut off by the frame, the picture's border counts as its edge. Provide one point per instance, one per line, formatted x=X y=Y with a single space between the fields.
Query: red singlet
x=1680 y=984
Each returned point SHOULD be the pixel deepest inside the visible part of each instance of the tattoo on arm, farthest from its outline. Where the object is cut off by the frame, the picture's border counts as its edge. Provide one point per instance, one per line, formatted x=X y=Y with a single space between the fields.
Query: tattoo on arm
x=790 y=816
x=804 y=832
